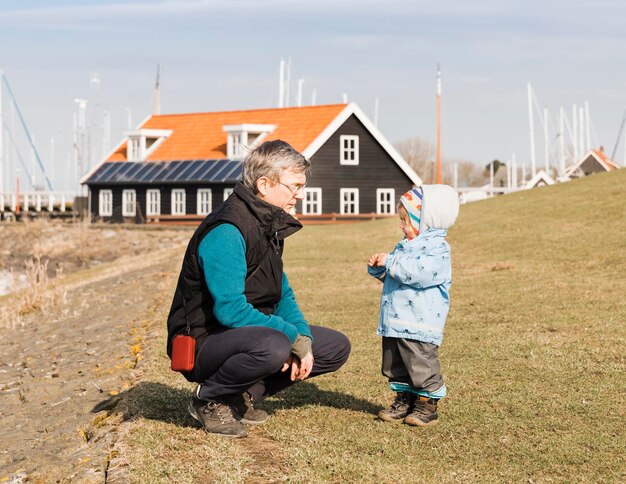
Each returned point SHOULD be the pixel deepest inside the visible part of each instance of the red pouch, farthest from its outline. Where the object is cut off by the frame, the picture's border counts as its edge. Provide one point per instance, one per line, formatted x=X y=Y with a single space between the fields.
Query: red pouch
x=183 y=352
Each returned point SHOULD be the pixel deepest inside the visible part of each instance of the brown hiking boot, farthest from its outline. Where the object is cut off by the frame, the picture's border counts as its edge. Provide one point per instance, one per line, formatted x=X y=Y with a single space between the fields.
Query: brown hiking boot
x=400 y=408
x=424 y=412
x=216 y=418
x=245 y=411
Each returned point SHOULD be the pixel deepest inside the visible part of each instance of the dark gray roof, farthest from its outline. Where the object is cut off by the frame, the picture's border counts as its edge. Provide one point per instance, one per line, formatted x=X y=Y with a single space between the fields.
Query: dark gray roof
x=152 y=172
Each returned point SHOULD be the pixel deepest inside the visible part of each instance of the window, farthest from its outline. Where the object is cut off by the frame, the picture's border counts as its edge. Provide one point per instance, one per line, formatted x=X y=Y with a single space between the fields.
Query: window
x=349 y=201
x=227 y=192
x=153 y=202
x=178 y=201
x=142 y=143
x=204 y=201
x=129 y=203
x=105 y=208
x=312 y=202
x=349 y=150
x=385 y=201
x=243 y=138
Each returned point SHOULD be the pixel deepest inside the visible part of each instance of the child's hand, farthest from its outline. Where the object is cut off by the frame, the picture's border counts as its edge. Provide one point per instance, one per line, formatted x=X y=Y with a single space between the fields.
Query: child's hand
x=377 y=259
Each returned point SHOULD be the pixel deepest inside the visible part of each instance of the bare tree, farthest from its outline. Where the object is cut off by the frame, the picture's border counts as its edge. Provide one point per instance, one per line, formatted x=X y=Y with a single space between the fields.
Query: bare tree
x=421 y=155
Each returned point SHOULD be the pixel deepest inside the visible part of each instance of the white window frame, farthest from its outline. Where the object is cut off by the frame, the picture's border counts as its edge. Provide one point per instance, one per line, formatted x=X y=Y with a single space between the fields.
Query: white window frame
x=346 y=151
x=183 y=203
x=105 y=203
x=137 y=148
x=228 y=192
x=153 y=205
x=204 y=207
x=380 y=202
x=129 y=203
x=243 y=138
x=310 y=207
x=342 y=200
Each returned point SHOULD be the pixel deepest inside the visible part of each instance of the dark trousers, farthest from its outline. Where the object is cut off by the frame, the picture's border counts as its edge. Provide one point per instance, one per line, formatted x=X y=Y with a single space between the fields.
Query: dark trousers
x=236 y=360
x=412 y=362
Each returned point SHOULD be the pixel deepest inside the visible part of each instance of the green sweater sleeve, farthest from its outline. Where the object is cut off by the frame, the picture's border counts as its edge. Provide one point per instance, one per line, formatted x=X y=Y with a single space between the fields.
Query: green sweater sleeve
x=289 y=310
x=222 y=256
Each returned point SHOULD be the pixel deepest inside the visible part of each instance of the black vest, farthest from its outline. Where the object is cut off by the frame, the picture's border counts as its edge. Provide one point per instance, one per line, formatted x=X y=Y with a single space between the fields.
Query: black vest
x=264 y=228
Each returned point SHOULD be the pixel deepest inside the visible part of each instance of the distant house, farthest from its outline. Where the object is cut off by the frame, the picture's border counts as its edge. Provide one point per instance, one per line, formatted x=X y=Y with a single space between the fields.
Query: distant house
x=184 y=165
x=593 y=161
x=540 y=179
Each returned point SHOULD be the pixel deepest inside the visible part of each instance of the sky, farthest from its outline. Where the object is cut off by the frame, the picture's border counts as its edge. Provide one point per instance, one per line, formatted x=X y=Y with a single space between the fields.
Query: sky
x=217 y=55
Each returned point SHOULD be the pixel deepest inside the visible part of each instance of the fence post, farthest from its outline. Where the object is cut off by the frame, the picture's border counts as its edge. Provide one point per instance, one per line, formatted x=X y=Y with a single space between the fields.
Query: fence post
x=62 y=203
x=25 y=207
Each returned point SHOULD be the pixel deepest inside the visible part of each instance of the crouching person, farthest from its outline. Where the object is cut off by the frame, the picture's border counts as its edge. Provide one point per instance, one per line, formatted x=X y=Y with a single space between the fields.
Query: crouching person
x=235 y=301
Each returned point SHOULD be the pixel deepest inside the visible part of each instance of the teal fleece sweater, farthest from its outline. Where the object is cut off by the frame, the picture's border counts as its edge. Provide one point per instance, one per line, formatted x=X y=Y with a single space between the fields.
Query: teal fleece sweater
x=222 y=256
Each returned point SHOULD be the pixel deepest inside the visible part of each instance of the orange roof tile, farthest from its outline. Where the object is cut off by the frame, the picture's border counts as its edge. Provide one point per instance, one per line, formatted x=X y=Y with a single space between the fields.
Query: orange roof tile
x=198 y=136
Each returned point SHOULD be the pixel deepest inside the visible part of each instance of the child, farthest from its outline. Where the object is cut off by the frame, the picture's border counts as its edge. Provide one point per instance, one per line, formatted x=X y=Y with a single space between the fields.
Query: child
x=417 y=276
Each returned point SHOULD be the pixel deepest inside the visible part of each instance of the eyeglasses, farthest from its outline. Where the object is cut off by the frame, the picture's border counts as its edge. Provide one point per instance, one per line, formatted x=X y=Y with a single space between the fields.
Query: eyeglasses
x=294 y=189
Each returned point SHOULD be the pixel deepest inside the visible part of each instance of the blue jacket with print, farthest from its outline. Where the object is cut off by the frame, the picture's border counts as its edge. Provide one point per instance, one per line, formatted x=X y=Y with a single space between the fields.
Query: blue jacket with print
x=416 y=277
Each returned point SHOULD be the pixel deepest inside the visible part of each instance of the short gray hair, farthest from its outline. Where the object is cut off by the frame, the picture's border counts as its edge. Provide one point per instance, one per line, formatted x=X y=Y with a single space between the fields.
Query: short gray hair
x=269 y=159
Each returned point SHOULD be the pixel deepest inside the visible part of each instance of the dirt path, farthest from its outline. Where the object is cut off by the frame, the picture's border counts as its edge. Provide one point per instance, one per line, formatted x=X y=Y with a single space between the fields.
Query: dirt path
x=60 y=373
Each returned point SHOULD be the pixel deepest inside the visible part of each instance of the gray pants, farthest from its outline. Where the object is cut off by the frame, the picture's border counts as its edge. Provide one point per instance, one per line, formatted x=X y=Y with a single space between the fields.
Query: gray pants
x=412 y=362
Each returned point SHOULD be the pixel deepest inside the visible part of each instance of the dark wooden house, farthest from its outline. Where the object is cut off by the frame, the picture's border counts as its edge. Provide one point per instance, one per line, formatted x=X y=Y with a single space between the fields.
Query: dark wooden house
x=181 y=166
x=594 y=161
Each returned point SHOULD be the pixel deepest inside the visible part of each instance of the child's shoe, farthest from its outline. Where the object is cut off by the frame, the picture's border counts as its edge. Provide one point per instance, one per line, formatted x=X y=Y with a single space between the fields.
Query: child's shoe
x=424 y=412
x=400 y=408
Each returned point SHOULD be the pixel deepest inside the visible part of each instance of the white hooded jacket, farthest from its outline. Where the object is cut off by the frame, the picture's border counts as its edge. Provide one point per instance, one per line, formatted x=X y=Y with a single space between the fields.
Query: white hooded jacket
x=417 y=275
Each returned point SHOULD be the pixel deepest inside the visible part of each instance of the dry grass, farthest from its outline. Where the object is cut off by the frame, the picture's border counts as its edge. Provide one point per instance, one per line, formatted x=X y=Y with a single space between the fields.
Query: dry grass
x=45 y=258
x=534 y=357
x=40 y=292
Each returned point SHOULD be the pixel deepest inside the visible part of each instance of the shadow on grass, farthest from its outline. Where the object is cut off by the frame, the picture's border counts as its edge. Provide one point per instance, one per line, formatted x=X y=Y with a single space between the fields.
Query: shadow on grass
x=307 y=393
x=157 y=401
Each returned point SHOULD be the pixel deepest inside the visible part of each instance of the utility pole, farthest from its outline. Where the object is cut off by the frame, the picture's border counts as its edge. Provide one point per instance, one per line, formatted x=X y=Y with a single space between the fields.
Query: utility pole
x=438 y=124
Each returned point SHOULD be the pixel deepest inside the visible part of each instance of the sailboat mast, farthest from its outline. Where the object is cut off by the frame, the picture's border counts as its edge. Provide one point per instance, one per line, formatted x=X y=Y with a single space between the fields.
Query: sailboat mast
x=438 y=124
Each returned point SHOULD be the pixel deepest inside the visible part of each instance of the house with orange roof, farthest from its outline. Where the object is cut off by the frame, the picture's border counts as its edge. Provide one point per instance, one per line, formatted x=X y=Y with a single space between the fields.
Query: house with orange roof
x=593 y=161
x=181 y=166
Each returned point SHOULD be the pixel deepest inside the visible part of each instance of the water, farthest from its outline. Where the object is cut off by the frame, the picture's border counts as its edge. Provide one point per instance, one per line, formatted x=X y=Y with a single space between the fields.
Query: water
x=7 y=282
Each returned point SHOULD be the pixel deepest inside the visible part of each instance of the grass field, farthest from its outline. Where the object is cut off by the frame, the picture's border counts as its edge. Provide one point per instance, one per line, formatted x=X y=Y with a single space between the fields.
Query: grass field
x=533 y=355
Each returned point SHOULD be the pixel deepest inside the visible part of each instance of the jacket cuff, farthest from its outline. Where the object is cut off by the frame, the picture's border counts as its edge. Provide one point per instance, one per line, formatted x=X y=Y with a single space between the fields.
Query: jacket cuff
x=301 y=347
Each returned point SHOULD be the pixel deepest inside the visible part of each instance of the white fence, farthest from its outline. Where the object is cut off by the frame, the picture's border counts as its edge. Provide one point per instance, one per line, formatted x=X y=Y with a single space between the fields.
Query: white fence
x=38 y=201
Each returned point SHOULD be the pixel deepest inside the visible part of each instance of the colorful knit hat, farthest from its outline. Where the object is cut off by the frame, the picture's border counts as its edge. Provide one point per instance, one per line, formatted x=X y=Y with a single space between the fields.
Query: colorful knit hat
x=412 y=203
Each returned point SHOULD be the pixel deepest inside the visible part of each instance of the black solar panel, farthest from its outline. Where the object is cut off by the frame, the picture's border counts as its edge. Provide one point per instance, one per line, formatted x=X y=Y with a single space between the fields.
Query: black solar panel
x=227 y=173
x=150 y=172
x=188 y=168
x=210 y=170
x=103 y=172
x=145 y=168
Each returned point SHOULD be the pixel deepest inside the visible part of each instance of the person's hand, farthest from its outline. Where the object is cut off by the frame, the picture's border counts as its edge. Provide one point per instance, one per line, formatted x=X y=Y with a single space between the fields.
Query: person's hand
x=300 y=368
x=287 y=364
x=306 y=365
x=377 y=259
